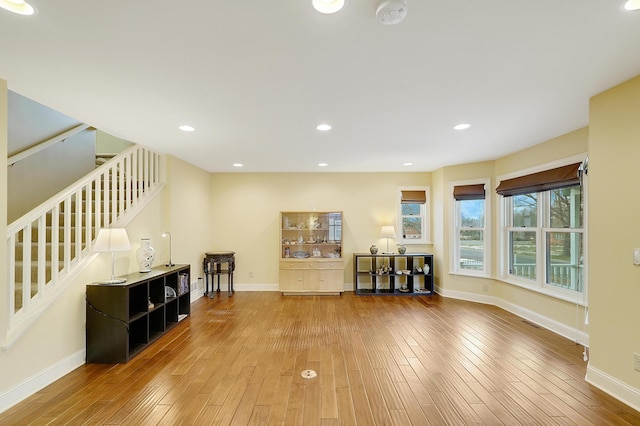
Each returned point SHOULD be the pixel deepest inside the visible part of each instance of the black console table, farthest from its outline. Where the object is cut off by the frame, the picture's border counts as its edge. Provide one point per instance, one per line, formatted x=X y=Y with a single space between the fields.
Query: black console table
x=398 y=274
x=213 y=267
x=123 y=319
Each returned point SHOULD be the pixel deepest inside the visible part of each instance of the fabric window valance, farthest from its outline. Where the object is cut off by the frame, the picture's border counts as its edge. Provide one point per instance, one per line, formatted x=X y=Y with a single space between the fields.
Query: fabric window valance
x=413 y=197
x=469 y=192
x=557 y=178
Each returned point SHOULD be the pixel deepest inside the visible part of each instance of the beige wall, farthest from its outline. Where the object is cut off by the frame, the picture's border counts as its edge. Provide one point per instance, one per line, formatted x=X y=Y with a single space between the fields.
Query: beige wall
x=189 y=215
x=107 y=144
x=551 y=312
x=240 y=212
x=4 y=305
x=39 y=177
x=482 y=170
x=614 y=282
x=573 y=144
x=181 y=208
x=563 y=146
x=246 y=208
x=437 y=232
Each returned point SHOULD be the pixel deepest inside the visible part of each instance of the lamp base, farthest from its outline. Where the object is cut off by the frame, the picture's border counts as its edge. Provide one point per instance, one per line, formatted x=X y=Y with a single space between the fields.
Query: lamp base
x=114 y=281
x=170 y=264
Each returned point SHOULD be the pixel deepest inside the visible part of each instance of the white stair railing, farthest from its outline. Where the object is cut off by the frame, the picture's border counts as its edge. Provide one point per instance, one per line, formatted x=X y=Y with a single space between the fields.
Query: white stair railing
x=46 y=246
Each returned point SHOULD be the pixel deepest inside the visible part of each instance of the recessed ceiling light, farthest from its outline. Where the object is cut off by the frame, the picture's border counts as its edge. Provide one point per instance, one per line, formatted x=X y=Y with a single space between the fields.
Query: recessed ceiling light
x=237 y=164
x=20 y=7
x=328 y=6
x=407 y=164
x=323 y=164
x=323 y=127
x=632 y=5
x=461 y=126
x=186 y=128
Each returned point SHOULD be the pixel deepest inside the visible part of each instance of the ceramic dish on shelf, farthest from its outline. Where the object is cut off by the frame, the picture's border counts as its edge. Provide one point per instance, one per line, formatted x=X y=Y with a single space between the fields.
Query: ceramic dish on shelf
x=300 y=254
x=169 y=292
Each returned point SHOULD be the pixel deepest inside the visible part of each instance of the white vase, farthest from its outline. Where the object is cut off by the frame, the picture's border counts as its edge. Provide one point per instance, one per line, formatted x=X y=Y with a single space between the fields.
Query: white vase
x=145 y=255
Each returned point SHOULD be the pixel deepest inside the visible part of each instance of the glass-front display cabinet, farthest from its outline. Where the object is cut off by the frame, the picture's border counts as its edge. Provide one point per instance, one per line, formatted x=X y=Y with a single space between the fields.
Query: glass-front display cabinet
x=311 y=253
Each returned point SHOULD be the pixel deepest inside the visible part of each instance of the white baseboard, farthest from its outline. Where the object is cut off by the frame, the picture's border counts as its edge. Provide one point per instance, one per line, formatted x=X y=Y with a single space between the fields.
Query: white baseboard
x=272 y=287
x=195 y=295
x=614 y=387
x=40 y=380
x=255 y=287
x=571 y=333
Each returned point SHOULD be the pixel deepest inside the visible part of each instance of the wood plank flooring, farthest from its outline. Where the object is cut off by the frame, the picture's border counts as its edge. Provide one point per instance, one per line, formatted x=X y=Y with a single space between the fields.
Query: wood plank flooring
x=379 y=360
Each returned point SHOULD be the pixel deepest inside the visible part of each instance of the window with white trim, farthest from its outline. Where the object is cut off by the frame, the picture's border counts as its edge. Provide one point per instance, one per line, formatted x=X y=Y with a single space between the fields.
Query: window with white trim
x=472 y=236
x=413 y=215
x=543 y=229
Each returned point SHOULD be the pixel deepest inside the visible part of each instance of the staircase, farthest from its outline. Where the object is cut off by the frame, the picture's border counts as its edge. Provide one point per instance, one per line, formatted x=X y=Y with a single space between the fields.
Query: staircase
x=50 y=245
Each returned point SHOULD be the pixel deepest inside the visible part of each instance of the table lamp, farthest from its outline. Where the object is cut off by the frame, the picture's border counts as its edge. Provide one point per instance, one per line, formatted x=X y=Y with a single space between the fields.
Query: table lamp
x=388 y=231
x=168 y=234
x=112 y=240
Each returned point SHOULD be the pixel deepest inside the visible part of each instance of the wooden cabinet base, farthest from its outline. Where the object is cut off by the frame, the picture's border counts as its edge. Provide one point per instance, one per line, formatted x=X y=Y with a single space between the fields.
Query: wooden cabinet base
x=316 y=293
x=311 y=253
x=311 y=277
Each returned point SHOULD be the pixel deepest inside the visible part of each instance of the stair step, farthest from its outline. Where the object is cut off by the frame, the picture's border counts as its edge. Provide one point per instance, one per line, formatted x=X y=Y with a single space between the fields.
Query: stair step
x=34 y=273
x=34 y=267
x=48 y=232
x=76 y=206
x=34 y=250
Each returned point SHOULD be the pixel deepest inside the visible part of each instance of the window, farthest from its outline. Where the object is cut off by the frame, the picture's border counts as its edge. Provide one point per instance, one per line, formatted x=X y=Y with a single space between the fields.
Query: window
x=544 y=232
x=413 y=214
x=471 y=243
x=523 y=235
x=335 y=227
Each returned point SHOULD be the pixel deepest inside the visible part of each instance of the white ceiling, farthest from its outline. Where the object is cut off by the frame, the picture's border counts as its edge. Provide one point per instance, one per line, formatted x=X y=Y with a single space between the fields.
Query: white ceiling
x=254 y=77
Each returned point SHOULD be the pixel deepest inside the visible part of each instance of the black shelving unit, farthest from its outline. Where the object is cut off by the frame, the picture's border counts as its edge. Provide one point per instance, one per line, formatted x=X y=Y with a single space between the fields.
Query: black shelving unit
x=393 y=274
x=121 y=320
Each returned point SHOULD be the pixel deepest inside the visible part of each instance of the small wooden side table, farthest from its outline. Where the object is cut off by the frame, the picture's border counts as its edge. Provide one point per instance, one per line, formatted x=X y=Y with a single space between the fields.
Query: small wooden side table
x=212 y=265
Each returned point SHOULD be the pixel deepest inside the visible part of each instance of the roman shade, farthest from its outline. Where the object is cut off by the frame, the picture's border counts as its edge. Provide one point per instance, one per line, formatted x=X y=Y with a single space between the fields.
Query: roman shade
x=557 y=178
x=413 y=197
x=469 y=192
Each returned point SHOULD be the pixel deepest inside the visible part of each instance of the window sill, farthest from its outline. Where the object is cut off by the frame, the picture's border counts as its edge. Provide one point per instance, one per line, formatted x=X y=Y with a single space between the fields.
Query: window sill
x=414 y=243
x=471 y=274
x=571 y=297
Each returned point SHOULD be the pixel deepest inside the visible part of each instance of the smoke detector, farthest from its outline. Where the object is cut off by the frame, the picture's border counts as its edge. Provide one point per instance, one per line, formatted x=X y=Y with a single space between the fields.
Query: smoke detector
x=391 y=12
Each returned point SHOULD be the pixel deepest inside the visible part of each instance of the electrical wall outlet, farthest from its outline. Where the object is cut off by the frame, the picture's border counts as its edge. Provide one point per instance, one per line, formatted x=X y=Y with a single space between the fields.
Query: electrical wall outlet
x=636 y=362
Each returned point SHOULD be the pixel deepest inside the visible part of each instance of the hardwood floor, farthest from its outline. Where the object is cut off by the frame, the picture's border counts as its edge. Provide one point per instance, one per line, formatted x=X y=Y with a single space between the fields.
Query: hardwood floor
x=379 y=361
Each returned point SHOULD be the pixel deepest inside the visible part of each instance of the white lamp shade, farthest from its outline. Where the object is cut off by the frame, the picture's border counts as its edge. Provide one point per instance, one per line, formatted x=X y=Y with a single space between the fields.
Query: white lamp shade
x=388 y=231
x=112 y=240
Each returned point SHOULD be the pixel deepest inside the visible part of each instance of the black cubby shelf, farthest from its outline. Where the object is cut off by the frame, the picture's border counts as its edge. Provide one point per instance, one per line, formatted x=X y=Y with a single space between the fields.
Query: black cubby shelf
x=408 y=274
x=124 y=319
